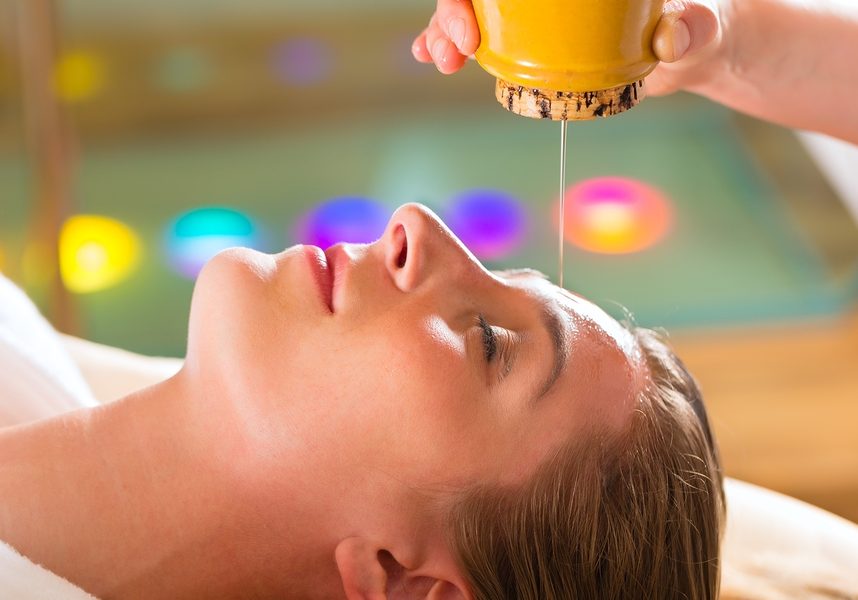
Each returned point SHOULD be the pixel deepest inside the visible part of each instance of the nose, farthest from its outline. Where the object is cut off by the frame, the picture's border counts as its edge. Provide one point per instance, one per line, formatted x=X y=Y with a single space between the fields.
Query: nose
x=418 y=246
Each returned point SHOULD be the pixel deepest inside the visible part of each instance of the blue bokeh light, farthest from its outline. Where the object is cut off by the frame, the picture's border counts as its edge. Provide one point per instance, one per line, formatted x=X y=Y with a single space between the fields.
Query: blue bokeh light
x=492 y=223
x=347 y=219
x=194 y=237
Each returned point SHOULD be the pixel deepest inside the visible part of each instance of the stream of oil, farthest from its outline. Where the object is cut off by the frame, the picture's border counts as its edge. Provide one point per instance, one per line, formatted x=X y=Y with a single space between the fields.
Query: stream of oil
x=562 y=216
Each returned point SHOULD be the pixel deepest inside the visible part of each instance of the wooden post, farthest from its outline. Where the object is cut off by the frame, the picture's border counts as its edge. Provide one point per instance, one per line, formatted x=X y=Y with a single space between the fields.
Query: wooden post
x=49 y=147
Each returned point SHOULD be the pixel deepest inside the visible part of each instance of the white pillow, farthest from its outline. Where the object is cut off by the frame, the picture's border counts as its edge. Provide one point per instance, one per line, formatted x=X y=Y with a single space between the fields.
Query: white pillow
x=38 y=379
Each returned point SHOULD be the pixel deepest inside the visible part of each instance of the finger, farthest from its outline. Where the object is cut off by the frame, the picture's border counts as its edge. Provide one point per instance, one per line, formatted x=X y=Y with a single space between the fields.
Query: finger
x=686 y=27
x=444 y=54
x=447 y=57
x=419 y=49
x=457 y=20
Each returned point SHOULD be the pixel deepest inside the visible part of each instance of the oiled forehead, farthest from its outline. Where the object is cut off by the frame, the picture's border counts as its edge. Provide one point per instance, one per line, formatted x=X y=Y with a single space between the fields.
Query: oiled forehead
x=581 y=312
x=604 y=371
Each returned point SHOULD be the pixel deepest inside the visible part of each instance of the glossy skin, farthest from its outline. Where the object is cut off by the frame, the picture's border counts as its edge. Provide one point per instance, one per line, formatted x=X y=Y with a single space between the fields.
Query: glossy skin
x=402 y=358
x=309 y=447
x=394 y=389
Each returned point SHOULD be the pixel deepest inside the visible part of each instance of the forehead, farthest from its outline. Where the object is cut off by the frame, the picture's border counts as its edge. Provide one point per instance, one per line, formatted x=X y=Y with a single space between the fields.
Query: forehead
x=604 y=369
x=579 y=312
x=614 y=333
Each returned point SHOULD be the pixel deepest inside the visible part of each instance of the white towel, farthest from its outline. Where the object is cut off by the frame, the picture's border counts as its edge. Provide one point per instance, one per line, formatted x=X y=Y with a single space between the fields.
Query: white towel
x=38 y=378
x=21 y=579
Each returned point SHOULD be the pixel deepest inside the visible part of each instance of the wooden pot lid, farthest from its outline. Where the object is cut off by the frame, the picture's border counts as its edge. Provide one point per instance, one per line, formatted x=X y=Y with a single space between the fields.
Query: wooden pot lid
x=568 y=106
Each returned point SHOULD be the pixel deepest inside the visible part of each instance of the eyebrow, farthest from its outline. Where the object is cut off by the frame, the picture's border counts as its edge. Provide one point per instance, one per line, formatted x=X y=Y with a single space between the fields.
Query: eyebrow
x=554 y=325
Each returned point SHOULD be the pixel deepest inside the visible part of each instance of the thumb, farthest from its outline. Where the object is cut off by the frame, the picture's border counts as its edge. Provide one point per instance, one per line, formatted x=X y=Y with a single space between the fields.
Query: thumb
x=686 y=27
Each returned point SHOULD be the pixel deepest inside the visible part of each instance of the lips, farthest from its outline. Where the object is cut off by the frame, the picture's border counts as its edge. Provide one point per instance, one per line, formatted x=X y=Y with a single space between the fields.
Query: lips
x=329 y=270
x=322 y=273
x=338 y=262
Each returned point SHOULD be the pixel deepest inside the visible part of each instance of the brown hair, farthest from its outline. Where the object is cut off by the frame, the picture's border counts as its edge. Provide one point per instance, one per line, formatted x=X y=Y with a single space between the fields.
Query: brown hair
x=630 y=514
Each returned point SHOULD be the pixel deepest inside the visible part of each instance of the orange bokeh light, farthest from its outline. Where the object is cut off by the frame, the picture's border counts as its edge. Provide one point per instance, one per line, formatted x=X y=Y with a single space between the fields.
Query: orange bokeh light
x=615 y=215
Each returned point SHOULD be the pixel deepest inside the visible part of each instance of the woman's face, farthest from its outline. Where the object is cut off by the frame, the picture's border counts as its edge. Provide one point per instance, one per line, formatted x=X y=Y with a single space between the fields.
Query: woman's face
x=409 y=355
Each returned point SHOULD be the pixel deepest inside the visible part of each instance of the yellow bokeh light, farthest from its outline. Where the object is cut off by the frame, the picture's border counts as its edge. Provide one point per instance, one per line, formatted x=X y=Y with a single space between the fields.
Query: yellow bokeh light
x=79 y=76
x=615 y=215
x=610 y=219
x=96 y=253
x=610 y=228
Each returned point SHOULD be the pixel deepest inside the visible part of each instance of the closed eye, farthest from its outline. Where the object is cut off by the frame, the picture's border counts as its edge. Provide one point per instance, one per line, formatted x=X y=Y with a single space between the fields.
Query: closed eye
x=490 y=338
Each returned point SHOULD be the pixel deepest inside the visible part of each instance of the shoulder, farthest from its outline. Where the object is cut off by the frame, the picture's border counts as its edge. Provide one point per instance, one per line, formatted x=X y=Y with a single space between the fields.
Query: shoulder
x=779 y=547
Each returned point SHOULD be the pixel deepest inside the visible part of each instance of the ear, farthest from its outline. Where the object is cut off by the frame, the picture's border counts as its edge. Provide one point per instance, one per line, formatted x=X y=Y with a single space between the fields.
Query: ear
x=360 y=570
x=445 y=590
x=369 y=572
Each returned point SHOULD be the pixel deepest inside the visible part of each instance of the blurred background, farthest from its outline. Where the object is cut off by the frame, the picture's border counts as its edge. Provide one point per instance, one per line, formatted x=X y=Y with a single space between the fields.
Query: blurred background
x=138 y=139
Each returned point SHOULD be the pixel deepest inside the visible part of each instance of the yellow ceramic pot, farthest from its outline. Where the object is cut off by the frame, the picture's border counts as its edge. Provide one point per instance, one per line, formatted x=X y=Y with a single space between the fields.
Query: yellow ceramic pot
x=567 y=45
x=568 y=59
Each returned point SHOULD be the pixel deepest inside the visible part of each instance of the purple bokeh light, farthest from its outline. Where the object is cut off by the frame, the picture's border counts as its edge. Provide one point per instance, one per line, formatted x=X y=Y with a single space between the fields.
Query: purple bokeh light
x=347 y=219
x=492 y=223
x=302 y=61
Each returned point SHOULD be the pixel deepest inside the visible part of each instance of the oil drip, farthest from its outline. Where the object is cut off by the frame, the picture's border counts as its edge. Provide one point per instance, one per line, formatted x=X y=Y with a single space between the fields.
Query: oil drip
x=562 y=216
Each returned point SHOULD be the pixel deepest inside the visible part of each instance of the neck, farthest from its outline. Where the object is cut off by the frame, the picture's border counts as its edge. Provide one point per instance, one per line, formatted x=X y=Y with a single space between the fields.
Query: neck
x=160 y=495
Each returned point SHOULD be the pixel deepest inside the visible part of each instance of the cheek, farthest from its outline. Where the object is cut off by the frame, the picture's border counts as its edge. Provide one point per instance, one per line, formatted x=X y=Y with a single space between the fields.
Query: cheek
x=429 y=409
x=247 y=318
x=401 y=369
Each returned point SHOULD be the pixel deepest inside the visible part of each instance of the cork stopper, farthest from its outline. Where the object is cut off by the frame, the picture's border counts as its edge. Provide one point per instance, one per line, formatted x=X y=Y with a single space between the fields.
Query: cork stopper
x=568 y=106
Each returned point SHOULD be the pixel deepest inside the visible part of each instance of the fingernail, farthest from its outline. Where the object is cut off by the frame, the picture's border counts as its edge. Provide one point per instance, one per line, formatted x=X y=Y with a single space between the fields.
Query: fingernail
x=439 y=50
x=456 y=31
x=681 y=39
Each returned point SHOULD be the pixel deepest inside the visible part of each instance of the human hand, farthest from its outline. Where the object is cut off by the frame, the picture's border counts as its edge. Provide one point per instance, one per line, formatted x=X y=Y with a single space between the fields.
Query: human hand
x=451 y=37
x=687 y=36
x=739 y=53
x=689 y=42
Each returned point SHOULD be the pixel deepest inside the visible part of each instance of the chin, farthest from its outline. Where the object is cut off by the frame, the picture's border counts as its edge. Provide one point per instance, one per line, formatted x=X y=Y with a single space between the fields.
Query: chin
x=238 y=262
x=228 y=290
x=233 y=271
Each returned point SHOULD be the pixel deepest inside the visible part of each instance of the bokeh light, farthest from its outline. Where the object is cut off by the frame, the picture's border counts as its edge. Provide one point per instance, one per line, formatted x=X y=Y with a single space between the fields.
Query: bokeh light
x=302 y=61
x=348 y=219
x=96 y=253
x=196 y=236
x=491 y=223
x=615 y=215
x=79 y=76
x=183 y=70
